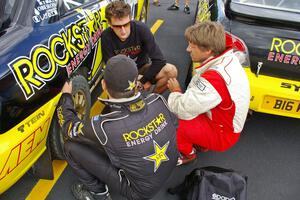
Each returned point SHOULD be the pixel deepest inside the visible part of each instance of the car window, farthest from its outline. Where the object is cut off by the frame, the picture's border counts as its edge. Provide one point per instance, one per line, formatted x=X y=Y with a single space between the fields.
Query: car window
x=6 y=7
x=291 y=5
x=72 y=4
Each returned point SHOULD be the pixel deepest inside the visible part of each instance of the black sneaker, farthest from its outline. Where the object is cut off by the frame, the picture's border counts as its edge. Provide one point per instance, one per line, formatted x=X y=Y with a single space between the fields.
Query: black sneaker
x=173 y=7
x=80 y=193
x=186 y=10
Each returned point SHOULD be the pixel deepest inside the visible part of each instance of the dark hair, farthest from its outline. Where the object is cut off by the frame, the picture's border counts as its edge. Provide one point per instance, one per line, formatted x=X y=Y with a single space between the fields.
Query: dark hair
x=118 y=9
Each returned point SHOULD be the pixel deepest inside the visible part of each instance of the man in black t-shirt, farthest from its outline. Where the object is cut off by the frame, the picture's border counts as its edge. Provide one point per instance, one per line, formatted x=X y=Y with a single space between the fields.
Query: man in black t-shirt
x=135 y=40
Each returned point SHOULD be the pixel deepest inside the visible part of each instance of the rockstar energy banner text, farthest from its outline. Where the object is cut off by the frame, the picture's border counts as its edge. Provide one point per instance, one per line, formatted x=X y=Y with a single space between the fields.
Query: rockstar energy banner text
x=285 y=51
x=66 y=49
x=145 y=134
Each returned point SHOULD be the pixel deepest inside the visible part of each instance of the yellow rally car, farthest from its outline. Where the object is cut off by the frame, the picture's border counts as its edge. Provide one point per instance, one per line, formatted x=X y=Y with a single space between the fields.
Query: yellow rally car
x=44 y=42
x=267 y=31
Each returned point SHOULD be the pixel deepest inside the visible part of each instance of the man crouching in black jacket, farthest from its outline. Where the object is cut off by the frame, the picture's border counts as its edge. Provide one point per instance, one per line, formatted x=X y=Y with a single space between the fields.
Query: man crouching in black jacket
x=136 y=148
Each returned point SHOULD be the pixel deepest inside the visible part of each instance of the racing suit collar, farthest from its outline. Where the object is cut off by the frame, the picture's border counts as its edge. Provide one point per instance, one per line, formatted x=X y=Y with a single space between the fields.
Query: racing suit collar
x=132 y=104
x=212 y=60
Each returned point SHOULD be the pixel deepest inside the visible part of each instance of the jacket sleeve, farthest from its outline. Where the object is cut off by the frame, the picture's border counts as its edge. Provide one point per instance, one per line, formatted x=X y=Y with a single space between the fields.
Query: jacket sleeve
x=200 y=97
x=157 y=59
x=71 y=125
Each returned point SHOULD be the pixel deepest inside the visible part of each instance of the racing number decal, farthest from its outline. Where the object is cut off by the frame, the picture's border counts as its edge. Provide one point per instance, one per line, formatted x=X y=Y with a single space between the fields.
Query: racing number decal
x=76 y=40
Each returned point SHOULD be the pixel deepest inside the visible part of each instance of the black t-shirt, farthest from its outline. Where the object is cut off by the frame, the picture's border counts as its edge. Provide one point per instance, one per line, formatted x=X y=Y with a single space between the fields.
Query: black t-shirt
x=140 y=46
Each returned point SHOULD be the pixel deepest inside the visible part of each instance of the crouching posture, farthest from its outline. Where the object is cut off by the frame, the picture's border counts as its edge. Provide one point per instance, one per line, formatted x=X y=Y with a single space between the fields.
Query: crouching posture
x=131 y=150
x=213 y=109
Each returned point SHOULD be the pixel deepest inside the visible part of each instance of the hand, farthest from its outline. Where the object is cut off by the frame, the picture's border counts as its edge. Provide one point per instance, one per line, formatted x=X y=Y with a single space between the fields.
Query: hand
x=173 y=85
x=67 y=88
x=147 y=86
x=140 y=86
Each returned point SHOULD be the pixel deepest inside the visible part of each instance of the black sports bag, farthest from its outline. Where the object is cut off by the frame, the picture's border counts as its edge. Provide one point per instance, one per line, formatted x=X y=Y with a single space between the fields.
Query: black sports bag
x=212 y=183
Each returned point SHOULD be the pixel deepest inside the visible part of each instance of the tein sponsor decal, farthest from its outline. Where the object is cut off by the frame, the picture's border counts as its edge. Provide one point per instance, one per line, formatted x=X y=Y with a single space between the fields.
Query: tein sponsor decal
x=32 y=121
x=285 y=51
x=76 y=39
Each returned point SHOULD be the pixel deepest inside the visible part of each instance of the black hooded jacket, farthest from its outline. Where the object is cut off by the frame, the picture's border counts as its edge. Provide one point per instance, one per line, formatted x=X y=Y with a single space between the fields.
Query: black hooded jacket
x=139 y=137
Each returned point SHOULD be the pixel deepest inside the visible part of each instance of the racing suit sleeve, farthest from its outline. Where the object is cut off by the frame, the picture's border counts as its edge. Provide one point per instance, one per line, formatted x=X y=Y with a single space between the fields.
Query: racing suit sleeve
x=106 y=46
x=200 y=97
x=71 y=125
x=157 y=59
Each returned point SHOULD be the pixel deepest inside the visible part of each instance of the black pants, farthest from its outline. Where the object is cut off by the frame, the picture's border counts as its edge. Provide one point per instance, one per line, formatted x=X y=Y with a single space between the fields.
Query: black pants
x=94 y=169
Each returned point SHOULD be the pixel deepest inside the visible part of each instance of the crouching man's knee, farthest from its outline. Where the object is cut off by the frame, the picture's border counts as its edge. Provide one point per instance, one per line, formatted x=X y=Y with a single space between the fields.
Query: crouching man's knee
x=170 y=70
x=69 y=148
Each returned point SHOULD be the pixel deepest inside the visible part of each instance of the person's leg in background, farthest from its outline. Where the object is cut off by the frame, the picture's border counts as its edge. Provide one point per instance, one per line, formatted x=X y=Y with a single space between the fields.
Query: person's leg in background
x=175 y=6
x=156 y=3
x=186 y=9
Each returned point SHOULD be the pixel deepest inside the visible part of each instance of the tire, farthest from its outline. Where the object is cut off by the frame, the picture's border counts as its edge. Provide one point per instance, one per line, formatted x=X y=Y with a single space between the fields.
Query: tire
x=82 y=101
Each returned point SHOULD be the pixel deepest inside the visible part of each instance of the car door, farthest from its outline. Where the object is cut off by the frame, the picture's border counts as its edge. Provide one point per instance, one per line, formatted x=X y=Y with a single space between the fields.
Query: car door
x=30 y=61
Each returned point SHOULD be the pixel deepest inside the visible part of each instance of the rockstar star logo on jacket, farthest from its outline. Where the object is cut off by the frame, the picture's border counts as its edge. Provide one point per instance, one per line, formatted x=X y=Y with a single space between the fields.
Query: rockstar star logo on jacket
x=159 y=156
x=131 y=86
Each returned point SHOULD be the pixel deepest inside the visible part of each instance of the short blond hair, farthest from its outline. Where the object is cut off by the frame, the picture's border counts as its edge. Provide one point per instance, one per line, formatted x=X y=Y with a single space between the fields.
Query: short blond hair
x=208 y=35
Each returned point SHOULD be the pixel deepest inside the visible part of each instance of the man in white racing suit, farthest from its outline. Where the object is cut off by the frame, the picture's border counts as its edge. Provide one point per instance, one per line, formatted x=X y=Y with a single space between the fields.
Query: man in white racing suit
x=213 y=109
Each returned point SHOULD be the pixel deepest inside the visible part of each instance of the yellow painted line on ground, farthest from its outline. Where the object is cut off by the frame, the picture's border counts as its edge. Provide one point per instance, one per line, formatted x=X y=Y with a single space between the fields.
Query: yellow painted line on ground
x=43 y=187
x=156 y=25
